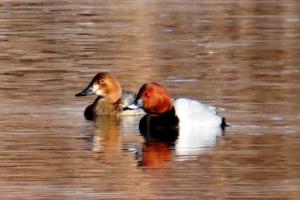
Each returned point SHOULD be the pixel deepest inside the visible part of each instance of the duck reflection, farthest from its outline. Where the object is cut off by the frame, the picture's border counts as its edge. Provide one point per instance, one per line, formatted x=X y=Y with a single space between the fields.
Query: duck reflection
x=164 y=143
x=157 y=150
x=113 y=134
x=155 y=155
x=158 y=146
x=193 y=142
x=107 y=137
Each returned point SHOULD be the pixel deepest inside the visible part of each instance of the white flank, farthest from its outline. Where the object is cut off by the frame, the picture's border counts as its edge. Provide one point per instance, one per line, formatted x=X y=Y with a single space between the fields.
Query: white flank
x=192 y=114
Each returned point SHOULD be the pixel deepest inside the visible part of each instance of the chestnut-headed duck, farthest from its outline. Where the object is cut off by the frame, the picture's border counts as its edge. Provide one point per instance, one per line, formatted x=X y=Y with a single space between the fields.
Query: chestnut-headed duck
x=182 y=113
x=111 y=100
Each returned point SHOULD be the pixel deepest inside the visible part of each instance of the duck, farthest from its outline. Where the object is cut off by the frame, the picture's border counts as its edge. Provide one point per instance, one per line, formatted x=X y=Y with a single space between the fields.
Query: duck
x=163 y=112
x=111 y=99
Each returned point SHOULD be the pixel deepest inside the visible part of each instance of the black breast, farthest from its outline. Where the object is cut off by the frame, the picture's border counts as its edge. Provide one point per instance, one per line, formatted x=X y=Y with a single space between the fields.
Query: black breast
x=163 y=127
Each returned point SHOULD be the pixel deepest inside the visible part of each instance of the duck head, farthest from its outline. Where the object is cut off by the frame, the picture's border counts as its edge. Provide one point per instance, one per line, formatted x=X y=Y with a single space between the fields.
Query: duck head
x=104 y=85
x=153 y=98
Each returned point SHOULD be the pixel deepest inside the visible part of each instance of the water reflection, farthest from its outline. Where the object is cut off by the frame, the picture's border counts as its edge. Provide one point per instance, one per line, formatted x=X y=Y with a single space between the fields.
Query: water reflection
x=107 y=136
x=157 y=149
x=110 y=132
x=187 y=142
x=155 y=154
x=193 y=142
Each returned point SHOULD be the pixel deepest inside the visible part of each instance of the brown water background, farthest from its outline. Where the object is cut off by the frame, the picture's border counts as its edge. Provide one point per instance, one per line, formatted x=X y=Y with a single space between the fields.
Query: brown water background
x=243 y=56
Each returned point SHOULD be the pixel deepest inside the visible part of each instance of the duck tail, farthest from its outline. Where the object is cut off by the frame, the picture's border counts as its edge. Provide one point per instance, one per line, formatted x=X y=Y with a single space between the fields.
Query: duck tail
x=224 y=124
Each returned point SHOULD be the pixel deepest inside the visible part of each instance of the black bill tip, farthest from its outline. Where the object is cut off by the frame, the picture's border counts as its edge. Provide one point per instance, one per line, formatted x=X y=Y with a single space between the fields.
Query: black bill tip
x=87 y=91
x=80 y=94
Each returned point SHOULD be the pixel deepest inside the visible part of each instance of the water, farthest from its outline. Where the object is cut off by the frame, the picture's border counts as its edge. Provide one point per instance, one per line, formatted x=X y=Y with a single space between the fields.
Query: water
x=240 y=56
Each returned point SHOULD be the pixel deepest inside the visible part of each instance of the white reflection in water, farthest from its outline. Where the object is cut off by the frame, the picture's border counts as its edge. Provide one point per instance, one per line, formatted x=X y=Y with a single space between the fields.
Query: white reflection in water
x=155 y=149
x=192 y=142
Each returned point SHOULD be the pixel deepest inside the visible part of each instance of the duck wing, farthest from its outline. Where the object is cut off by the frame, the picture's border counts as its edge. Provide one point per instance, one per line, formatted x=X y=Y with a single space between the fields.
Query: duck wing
x=128 y=98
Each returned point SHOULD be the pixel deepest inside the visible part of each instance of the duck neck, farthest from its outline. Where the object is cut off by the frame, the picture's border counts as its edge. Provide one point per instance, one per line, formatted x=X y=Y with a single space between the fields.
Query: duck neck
x=167 y=118
x=159 y=106
x=114 y=96
x=170 y=114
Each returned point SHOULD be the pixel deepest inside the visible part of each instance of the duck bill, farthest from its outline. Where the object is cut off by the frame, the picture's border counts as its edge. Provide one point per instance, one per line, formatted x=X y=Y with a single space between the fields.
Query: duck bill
x=87 y=91
x=135 y=105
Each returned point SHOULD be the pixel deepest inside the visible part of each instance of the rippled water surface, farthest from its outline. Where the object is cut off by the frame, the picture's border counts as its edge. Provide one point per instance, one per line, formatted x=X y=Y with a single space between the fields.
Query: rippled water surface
x=242 y=56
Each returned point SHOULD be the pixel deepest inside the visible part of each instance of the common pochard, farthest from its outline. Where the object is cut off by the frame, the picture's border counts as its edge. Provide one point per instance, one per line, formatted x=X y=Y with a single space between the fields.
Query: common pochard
x=182 y=113
x=111 y=100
